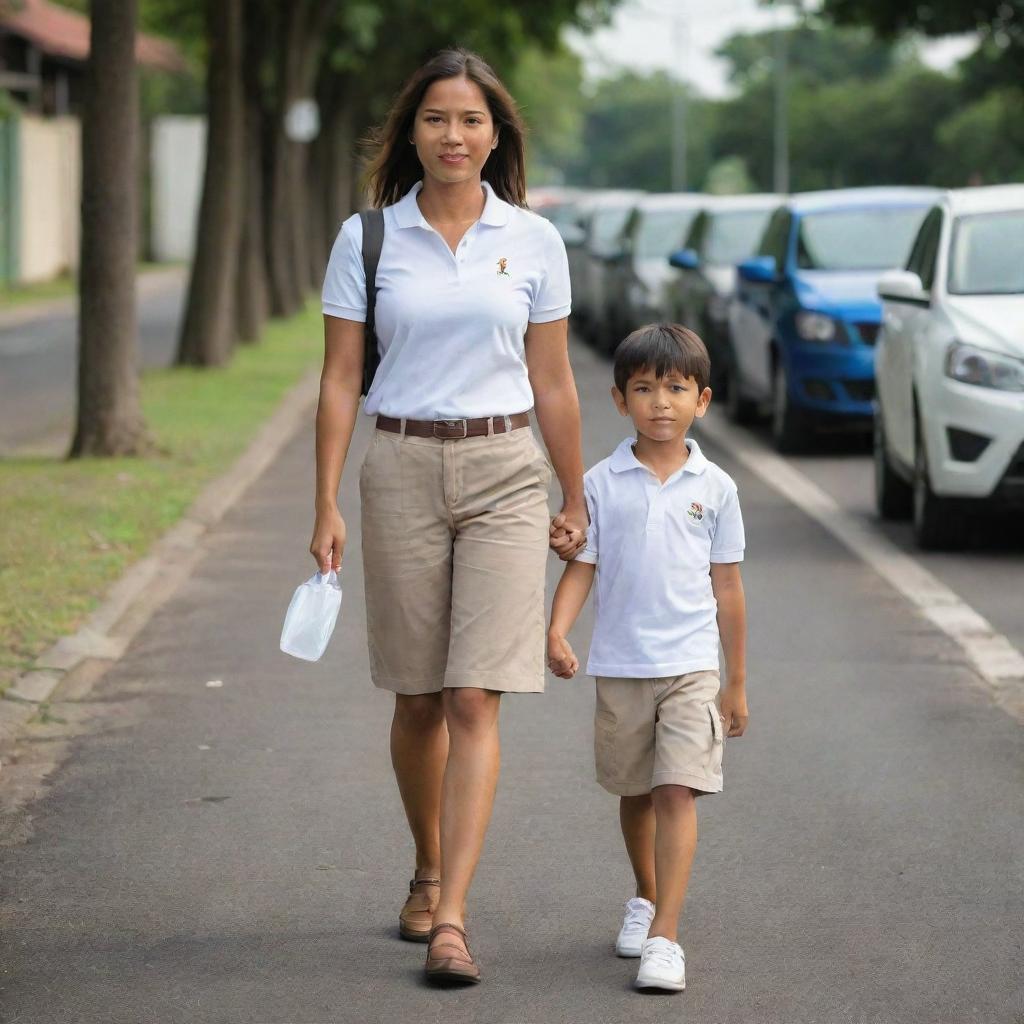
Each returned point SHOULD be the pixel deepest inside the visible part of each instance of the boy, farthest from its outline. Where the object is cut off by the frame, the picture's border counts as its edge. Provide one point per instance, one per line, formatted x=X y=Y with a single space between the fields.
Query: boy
x=665 y=542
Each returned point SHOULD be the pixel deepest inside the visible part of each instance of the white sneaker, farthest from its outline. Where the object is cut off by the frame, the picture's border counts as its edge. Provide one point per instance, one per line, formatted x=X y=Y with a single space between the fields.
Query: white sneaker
x=662 y=965
x=639 y=915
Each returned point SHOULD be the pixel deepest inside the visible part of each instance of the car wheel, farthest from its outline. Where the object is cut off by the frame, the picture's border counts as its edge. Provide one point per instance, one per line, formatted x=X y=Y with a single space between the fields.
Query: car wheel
x=894 y=497
x=936 y=525
x=738 y=408
x=789 y=423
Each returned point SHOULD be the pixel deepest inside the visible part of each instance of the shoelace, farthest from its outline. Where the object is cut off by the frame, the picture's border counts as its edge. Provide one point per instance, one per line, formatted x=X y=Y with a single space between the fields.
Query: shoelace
x=637 y=920
x=663 y=955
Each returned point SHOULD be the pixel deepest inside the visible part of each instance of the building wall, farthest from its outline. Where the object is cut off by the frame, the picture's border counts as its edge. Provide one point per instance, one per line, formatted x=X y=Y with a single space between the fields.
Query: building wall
x=50 y=171
x=177 y=155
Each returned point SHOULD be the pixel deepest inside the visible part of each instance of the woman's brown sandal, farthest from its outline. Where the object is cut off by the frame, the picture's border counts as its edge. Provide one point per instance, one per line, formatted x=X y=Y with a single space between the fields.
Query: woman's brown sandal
x=455 y=965
x=417 y=916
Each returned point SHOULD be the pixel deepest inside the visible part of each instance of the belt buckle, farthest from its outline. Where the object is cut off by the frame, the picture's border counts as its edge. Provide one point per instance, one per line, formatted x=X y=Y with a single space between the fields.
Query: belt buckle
x=450 y=425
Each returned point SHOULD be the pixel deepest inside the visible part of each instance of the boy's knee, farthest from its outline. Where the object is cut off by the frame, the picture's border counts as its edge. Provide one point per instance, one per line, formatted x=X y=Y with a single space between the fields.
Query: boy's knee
x=675 y=797
x=470 y=709
x=419 y=713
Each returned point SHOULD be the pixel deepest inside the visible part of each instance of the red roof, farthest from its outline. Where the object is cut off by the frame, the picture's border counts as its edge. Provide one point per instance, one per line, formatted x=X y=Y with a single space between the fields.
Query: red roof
x=60 y=32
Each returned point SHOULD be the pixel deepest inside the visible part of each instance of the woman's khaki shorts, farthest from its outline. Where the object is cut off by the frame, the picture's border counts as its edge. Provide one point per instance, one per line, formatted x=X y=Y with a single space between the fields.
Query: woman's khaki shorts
x=455 y=545
x=658 y=732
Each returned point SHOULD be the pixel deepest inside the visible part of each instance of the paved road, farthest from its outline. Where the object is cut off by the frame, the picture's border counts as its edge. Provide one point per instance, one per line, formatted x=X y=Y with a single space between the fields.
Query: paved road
x=237 y=854
x=988 y=574
x=39 y=362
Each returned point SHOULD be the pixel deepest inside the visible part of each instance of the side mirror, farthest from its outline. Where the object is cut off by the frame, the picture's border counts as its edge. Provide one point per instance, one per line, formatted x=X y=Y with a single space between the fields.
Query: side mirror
x=758 y=270
x=572 y=235
x=685 y=259
x=902 y=284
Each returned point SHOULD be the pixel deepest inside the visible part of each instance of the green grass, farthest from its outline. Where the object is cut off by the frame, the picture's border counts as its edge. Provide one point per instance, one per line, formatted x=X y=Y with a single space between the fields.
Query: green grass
x=71 y=527
x=59 y=288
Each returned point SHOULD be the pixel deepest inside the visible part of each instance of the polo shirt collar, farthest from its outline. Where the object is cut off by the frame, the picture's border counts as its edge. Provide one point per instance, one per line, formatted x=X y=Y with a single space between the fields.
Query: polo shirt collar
x=409 y=215
x=624 y=458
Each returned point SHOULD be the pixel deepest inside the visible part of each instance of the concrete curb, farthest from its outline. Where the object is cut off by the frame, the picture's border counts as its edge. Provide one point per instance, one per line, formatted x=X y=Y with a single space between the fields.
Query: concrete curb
x=150 y=582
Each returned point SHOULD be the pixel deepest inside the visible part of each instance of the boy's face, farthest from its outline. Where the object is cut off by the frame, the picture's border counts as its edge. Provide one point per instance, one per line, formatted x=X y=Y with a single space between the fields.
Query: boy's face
x=662 y=408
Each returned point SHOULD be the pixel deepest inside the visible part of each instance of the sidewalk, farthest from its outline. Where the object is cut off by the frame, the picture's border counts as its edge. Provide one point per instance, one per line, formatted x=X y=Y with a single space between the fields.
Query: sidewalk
x=237 y=853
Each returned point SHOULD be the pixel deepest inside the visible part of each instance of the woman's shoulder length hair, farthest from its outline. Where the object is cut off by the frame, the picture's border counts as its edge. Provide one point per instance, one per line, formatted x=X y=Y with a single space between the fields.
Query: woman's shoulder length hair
x=394 y=167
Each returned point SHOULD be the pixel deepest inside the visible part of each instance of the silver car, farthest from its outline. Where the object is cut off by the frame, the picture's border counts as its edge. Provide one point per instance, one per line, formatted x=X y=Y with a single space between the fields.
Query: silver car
x=636 y=273
x=602 y=216
x=697 y=293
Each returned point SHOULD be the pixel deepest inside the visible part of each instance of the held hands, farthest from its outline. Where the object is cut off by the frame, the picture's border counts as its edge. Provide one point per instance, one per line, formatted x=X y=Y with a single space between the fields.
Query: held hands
x=568 y=532
x=328 y=544
x=734 y=709
x=561 y=659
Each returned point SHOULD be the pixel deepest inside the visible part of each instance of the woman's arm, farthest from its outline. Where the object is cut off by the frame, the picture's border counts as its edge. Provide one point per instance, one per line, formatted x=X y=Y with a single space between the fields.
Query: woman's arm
x=340 y=383
x=558 y=415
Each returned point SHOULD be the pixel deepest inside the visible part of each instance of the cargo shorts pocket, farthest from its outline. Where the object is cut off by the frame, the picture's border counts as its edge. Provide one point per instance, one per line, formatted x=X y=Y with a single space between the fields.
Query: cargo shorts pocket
x=717 y=739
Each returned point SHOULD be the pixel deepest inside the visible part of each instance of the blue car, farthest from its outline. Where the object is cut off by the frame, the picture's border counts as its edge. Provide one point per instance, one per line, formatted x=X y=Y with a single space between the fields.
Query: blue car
x=805 y=315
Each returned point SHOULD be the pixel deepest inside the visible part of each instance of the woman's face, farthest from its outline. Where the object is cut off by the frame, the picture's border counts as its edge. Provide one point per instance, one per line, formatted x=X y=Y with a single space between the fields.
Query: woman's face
x=454 y=132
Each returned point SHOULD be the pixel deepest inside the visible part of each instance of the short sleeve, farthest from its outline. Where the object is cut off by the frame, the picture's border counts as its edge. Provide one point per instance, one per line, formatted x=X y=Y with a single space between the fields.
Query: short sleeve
x=728 y=543
x=589 y=552
x=552 y=301
x=344 y=293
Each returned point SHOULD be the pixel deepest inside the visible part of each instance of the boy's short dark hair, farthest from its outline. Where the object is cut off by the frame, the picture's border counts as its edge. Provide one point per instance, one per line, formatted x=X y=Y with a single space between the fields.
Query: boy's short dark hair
x=662 y=348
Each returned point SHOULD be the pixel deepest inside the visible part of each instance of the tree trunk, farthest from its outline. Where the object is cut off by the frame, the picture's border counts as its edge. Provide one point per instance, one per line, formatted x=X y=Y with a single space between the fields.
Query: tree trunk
x=109 y=418
x=208 y=331
x=251 y=293
x=302 y=38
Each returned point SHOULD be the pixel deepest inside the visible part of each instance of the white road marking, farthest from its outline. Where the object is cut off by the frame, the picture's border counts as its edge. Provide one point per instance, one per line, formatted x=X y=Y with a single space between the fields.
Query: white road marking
x=996 y=660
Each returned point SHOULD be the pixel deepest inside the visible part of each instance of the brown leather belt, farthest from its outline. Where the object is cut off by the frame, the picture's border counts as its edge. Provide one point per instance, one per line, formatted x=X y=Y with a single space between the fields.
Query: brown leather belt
x=455 y=430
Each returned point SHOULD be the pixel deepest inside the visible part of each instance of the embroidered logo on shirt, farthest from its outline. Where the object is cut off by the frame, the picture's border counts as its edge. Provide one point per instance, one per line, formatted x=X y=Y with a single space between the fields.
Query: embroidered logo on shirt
x=502 y=264
x=695 y=511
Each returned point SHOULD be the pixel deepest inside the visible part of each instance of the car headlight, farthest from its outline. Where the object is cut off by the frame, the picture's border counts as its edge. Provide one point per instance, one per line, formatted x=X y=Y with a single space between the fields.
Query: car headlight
x=985 y=369
x=819 y=327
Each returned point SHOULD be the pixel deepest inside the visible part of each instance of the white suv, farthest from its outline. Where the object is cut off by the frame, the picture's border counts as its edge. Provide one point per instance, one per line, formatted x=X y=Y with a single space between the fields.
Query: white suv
x=949 y=423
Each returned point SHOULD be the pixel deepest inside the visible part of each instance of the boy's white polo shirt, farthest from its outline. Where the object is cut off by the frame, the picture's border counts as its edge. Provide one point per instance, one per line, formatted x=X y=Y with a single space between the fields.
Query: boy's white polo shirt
x=653 y=545
x=451 y=325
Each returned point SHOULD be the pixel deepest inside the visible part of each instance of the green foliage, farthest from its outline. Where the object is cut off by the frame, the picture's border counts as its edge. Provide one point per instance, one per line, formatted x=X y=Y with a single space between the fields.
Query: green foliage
x=728 y=177
x=628 y=135
x=546 y=86
x=984 y=142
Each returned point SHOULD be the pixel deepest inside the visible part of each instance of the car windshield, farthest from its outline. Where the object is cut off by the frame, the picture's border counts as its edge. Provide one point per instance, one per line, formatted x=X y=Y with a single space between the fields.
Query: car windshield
x=733 y=237
x=661 y=232
x=860 y=239
x=606 y=226
x=987 y=256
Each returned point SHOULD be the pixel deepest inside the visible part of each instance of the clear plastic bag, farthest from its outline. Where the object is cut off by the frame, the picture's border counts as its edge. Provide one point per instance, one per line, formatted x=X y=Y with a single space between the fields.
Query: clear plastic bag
x=312 y=613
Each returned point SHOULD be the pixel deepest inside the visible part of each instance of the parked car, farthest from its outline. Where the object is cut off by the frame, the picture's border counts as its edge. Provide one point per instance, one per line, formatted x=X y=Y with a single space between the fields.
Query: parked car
x=558 y=204
x=805 y=315
x=724 y=232
x=601 y=219
x=949 y=427
x=637 y=269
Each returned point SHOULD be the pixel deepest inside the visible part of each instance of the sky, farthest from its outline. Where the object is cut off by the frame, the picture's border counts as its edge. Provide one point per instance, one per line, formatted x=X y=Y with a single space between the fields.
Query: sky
x=645 y=37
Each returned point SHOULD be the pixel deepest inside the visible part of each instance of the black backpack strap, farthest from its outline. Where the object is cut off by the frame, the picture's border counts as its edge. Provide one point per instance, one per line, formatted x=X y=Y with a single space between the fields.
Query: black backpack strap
x=373 y=242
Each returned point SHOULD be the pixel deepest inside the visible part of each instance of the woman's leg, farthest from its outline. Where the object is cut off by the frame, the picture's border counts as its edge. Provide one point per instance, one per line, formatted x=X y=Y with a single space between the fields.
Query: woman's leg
x=636 y=816
x=419 y=752
x=468 y=793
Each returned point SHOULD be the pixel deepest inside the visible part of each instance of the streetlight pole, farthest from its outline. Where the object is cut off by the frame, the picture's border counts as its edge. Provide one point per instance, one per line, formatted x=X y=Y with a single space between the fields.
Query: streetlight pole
x=781 y=118
x=680 y=99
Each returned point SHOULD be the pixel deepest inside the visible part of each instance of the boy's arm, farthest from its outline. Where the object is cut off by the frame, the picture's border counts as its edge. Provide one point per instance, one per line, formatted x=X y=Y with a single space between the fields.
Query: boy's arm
x=727 y=585
x=570 y=597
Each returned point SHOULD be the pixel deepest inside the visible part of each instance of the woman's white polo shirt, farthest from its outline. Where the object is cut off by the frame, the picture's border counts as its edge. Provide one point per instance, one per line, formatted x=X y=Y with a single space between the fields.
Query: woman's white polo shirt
x=451 y=325
x=653 y=544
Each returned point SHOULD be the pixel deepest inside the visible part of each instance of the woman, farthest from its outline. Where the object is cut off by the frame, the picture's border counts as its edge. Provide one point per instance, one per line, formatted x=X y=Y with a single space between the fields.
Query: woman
x=471 y=316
